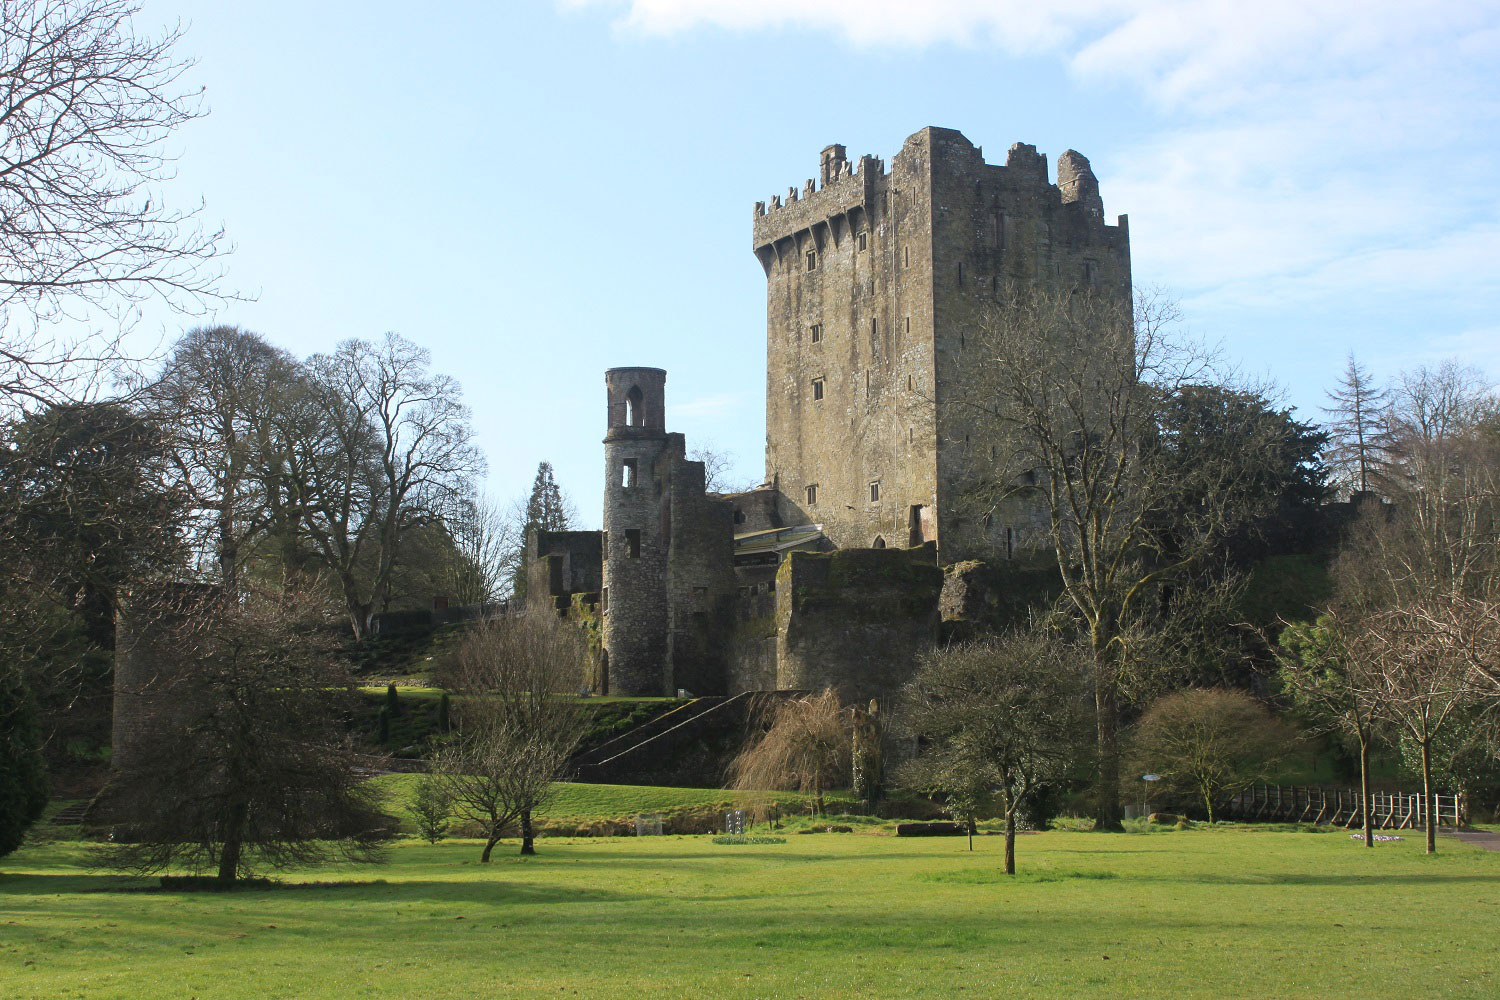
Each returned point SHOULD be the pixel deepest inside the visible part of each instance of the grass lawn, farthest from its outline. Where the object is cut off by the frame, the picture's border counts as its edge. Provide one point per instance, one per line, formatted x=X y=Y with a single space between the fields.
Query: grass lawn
x=1181 y=913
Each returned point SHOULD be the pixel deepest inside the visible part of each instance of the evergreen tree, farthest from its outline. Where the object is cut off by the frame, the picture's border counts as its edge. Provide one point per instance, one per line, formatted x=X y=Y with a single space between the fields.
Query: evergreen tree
x=23 y=781
x=547 y=509
x=1355 y=449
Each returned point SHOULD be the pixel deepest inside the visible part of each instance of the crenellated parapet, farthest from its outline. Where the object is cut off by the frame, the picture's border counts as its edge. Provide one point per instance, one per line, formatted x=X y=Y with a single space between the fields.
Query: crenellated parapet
x=825 y=210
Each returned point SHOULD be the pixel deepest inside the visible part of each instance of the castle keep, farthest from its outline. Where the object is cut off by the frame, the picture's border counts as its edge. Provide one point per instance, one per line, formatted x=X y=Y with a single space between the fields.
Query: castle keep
x=875 y=282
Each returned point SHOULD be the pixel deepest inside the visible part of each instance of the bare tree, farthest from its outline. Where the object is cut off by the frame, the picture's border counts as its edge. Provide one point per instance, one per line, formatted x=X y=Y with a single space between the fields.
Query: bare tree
x=88 y=103
x=246 y=763
x=518 y=723
x=393 y=451
x=217 y=397
x=478 y=570
x=1003 y=714
x=1210 y=742
x=1357 y=428
x=718 y=468
x=1074 y=388
x=1323 y=672
x=1424 y=688
x=806 y=747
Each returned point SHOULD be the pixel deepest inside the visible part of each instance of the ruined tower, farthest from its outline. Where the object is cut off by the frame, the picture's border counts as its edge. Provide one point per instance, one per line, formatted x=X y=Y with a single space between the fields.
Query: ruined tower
x=667 y=548
x=874 y=282
x=634 y=598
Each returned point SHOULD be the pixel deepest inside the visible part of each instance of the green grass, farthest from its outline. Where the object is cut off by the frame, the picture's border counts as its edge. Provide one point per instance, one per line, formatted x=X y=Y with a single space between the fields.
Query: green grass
x=1205 y=913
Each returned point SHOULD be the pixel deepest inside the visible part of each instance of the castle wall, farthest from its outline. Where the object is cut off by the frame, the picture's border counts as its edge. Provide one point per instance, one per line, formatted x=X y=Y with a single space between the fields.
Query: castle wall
x=701 y=582
x=853 y=328
x=752 y=641
x=855 y=620
x=561 y=564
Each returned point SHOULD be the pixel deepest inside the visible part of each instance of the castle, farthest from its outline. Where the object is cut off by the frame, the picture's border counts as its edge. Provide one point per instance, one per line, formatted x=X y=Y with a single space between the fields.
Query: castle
x=831 y=572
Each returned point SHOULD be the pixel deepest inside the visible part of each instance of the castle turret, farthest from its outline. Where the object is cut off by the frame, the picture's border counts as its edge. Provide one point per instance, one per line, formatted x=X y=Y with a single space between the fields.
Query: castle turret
x=635 y=525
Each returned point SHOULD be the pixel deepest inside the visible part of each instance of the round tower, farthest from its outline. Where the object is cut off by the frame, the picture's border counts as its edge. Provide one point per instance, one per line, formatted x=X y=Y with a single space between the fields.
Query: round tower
x=635 y=550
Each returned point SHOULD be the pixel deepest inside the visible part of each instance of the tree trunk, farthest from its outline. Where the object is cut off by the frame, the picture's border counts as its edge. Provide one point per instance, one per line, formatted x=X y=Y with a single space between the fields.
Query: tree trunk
x=1364 y=789
x=489 y=846
x=818 y=795
x=1208 y=804
x=528 y=836
x=970 y=828
x=1010 y=841
x=1107 y=811
x=234 y=836
x=1427 y=796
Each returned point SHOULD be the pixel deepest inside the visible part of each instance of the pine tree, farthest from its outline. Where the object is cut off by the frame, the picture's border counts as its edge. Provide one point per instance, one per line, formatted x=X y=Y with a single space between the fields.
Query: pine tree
x=547 y=509
x=1355 y=447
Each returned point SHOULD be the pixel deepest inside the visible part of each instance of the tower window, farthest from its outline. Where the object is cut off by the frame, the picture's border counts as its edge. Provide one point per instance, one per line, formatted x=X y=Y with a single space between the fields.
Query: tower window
x=627 y=473
x=815 y=332
x=634 y=413
x=739 y=517
x=812 y=260
x=862 y=240
x=906 y=255
x=633 y=543
x=875 y=491
x=1090 y=272
x=812 y=495
x=908 y=324
x=960 y=274
x=817 y=388
x=604 y=552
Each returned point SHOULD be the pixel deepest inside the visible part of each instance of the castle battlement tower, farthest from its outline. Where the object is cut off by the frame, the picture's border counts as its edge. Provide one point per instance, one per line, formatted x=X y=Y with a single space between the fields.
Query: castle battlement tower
x=874 y=278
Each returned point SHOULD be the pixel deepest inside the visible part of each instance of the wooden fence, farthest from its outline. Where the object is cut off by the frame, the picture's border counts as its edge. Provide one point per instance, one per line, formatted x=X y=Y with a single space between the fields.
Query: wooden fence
x=1340 y=807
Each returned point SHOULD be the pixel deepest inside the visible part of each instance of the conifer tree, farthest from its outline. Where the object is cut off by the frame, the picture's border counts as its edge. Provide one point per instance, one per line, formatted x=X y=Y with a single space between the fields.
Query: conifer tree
x=1355 y=431
x=547 y=509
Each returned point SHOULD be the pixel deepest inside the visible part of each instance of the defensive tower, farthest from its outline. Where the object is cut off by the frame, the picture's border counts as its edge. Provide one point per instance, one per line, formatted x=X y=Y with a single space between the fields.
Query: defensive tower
x=634 y=599
x=874 y=281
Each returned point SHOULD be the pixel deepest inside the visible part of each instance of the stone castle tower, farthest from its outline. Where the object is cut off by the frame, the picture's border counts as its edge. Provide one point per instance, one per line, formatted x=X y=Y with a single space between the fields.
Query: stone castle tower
x=873 y=280
x=667 y=550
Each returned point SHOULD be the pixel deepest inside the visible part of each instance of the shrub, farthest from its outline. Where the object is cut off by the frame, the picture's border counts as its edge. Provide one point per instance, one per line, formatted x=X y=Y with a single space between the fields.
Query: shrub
x=431 y=808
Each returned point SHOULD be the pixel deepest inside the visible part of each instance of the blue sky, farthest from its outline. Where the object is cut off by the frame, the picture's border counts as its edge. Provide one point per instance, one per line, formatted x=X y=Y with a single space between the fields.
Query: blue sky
x=540 y=190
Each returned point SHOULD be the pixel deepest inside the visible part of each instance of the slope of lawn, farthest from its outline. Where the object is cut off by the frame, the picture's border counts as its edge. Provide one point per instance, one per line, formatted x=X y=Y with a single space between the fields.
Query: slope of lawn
x=1221 y=913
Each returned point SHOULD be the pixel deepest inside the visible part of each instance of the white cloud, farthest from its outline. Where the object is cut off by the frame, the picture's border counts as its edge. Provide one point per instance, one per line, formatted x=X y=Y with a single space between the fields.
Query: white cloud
x=1335 y=152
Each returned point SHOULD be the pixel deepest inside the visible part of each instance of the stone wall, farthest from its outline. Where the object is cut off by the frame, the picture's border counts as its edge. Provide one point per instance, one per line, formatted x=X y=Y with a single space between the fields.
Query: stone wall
x=875 y=283
x=855 y=620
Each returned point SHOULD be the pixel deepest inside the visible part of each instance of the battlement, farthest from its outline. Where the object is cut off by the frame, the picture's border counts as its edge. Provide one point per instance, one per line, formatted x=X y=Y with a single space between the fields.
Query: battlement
x=839 y=189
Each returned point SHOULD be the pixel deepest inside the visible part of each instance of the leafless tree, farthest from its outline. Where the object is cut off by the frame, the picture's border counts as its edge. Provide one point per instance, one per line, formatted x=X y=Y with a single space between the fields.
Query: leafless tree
x=88 y=103
x=247 y=764
x=1423 y=686
x=996 y=717
x=518 y=723
x=1074 y=387
x=217 y=396
x=478 y=570
x=807 y=748
x=1209 y=742
x=394 y=451
x=1322 y=670
x=718 y=467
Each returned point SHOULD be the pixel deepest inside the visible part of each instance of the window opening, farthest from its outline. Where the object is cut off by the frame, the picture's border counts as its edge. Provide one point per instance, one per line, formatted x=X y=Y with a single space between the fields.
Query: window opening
x=879 y=543
x=816 y=332
x=812 y=260
x=634 y=413
x=960 y=274
x=812 y=494
x=633 y=543
x=627 y=473
x=817 y=387
x=863 y=239
x=875 y=491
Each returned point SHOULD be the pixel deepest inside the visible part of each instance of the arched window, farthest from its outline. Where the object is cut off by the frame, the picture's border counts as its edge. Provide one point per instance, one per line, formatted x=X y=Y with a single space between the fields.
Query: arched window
x=879 y=543
x=634 y=413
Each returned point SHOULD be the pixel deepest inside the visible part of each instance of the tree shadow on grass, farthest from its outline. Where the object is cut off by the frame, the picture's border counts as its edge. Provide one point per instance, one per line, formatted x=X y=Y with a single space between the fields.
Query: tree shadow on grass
x=492 y=891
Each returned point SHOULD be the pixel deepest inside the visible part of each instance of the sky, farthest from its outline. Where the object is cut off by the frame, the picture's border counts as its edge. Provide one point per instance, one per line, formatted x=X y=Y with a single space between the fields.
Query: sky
x=538 y=190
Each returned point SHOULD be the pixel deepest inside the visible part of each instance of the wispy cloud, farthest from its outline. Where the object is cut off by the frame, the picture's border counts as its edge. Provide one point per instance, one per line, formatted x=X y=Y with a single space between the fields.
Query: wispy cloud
x=1287 y=151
